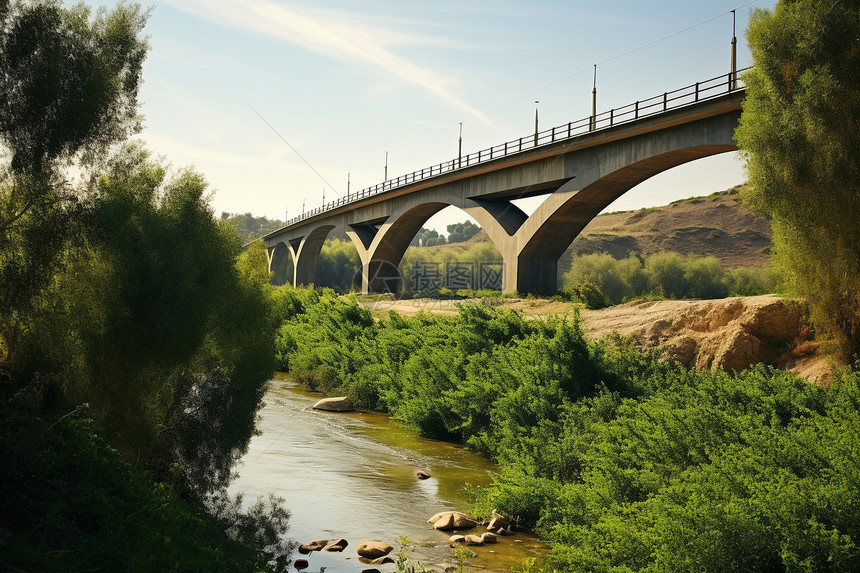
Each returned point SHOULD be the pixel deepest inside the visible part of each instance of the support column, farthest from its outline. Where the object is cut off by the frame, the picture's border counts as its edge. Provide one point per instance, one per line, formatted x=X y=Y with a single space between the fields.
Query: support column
x=537 y=276
x=529 y=276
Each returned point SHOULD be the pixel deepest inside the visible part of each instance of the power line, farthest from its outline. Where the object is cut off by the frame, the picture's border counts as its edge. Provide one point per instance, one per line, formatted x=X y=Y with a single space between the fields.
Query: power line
x=330 y=186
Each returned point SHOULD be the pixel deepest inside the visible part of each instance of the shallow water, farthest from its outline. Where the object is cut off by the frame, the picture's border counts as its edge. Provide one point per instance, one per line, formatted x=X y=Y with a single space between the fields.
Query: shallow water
x=353 y=475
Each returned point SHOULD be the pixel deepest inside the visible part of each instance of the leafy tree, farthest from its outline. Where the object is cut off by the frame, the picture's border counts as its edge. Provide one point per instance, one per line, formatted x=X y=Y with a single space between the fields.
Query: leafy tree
x=250 y=227
x=68 y=90
x=462 y=232
x=799 y=133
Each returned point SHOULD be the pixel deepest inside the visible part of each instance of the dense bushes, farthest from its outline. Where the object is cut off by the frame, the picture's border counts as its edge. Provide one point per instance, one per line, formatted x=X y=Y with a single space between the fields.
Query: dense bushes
x=71 y=504
x=623 y=461
x=668 y=274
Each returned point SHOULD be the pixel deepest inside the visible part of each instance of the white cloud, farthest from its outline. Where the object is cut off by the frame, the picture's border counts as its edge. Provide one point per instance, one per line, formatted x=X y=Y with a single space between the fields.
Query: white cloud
x=330 y=33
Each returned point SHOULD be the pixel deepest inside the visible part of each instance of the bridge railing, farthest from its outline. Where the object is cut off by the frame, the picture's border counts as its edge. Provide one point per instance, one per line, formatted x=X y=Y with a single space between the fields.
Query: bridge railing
x=681 y=97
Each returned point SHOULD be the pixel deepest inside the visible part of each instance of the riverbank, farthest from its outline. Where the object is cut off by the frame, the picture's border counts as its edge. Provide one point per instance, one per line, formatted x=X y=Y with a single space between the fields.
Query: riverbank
x=619 y=459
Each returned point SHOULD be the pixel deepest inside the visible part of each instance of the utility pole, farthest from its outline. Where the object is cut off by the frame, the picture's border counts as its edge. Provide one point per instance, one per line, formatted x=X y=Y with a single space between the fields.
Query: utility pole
x=594 y=102
x=536 y=122
x=734 y=82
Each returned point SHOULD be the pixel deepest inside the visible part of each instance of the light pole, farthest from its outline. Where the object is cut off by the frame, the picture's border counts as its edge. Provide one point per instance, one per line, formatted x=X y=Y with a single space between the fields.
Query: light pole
x=347 y=185
x=536 y=122
x=386 y=169
x=593 y=125
x=734 y=82
x=460 y=147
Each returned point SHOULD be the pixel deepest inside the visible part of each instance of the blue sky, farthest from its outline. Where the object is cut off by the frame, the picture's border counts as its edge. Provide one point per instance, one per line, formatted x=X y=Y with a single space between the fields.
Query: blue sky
x=275 y=100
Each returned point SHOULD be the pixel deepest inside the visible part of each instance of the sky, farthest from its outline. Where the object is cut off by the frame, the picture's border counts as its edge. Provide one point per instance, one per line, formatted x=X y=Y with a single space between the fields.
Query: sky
x=279 y=102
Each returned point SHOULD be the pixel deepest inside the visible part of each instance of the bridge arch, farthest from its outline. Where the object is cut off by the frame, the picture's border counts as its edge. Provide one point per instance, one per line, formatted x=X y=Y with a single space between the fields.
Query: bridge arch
x=395 y=235
x=603 y=175
x=280 y=263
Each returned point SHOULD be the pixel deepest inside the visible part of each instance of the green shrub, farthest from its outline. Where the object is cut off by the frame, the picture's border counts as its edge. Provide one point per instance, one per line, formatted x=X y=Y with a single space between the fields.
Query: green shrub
x=664 y=275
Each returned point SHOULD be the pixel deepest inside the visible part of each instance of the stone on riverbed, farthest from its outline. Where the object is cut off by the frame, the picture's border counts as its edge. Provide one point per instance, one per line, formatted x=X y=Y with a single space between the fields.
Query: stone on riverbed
x=448 y=520
x=373 y=549
x=313 y=546
x=338 y=404
x=336 y=545
x=474 y=540
x=490 y=537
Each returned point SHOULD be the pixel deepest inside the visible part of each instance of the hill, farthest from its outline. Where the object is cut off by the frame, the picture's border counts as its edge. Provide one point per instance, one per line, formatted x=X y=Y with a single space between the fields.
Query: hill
x=718 y=225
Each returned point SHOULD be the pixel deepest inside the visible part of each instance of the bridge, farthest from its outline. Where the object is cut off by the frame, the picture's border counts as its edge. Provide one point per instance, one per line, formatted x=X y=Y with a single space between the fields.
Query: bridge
x=581 y=167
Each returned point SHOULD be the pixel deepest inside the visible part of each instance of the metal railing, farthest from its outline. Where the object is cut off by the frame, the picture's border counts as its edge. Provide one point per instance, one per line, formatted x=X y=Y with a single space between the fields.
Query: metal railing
x=682 y=97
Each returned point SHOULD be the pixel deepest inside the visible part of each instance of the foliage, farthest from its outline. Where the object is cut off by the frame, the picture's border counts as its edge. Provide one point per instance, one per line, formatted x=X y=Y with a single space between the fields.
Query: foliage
x=425 y=271
x=68 y=81
x=799 y=134
x=71 y=504
x=153 y=325
x=339 y=266
x=68 y=90
x=249 y=227
x=462 y=232
x=666 y=274
x=624 y=461
x=428 y=238
x=123 y=294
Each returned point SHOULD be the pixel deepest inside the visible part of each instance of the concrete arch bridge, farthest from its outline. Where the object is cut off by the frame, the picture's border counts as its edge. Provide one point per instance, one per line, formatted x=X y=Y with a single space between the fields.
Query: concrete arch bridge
x=581 y=167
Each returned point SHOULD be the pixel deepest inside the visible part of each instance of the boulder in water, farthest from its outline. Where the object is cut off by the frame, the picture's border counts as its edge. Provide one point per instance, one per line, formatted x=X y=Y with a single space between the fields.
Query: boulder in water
x=338 y=404
x=373 y=549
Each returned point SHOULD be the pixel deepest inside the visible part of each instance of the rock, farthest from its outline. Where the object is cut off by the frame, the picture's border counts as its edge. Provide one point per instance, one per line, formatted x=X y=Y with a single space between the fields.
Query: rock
x=455 y=539
x=338 y=404
x=422 y=475
x=301 y=564
x=447 y=567
x=373 y=549
x=382 y=560
x=489 y=537
x=448 y=520
x=498 y=522
x=313 y=546
x=474 y=540
x=445 y=522
x=370 y=571
x=336 y=545
x=462 y=521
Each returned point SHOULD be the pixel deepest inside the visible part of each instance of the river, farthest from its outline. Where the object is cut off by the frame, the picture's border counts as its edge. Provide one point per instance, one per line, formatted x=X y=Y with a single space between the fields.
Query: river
x=353 y=476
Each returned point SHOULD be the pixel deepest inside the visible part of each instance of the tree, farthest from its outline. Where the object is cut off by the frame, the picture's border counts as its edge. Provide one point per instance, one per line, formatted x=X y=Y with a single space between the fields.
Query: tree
x=800 y=133
x=68 y=90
